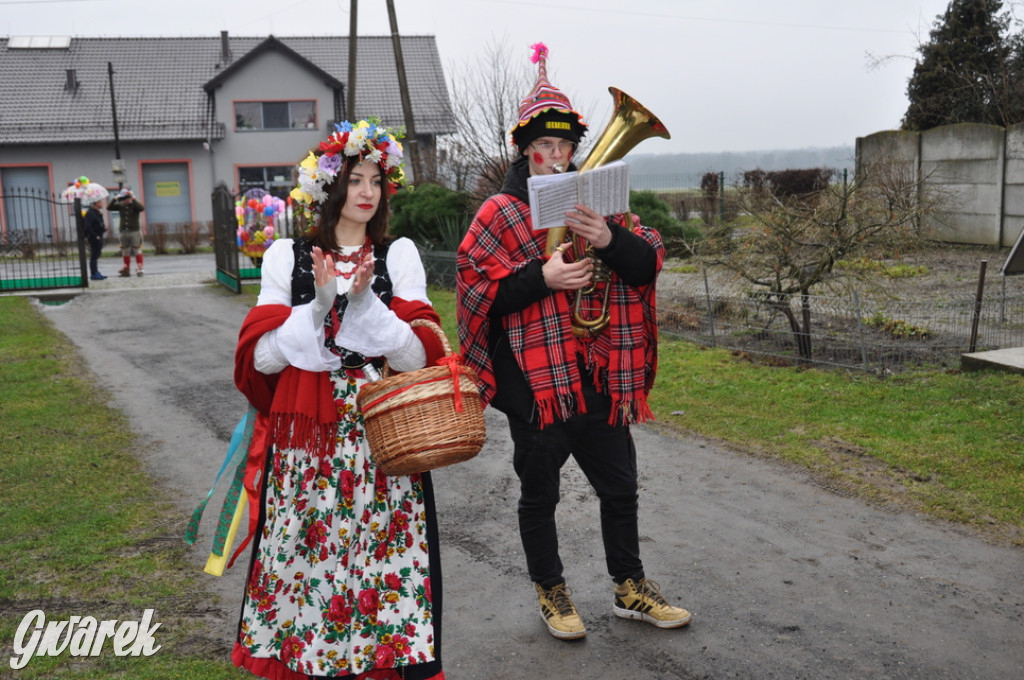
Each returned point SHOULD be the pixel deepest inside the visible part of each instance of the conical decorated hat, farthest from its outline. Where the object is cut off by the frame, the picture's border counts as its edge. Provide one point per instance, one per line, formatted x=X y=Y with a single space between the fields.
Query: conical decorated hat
x=544 y=96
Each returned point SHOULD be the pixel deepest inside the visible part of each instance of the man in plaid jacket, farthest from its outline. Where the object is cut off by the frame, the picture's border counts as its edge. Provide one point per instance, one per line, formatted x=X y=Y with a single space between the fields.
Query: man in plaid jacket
x=565 y=393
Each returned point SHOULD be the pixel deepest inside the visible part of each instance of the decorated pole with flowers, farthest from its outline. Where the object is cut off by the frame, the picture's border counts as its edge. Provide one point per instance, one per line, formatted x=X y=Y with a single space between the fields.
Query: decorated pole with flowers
x=255 y=212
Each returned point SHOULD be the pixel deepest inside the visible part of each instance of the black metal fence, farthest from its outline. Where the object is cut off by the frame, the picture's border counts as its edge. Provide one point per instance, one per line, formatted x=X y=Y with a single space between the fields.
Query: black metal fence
x=41 y=242
x=224 y=239
x=439 y=266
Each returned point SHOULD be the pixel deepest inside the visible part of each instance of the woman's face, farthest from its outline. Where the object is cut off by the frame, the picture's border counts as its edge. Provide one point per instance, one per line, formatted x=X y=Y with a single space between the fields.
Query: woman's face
x=364 y=190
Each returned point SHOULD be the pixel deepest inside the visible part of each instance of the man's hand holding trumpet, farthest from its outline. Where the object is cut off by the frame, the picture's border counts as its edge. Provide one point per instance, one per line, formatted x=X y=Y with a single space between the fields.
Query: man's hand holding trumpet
x=592 y=228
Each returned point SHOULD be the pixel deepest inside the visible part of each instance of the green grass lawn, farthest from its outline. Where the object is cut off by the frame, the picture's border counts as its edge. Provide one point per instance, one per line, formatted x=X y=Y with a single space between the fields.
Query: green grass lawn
x=948 y=444
x=84 y=530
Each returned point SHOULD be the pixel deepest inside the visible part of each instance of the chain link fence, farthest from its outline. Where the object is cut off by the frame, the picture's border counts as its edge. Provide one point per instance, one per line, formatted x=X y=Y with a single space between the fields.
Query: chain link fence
x=873 y=334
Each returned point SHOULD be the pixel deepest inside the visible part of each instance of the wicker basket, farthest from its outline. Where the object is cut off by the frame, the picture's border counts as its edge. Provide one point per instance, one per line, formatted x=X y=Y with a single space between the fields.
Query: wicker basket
x=412 y=420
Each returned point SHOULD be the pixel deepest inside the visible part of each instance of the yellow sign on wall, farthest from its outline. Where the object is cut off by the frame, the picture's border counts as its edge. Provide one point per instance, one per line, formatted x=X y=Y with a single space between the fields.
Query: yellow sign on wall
x=168 y=188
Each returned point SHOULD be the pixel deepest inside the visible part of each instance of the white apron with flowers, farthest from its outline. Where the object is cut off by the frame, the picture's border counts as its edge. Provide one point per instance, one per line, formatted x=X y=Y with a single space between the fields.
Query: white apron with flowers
x=341 y=582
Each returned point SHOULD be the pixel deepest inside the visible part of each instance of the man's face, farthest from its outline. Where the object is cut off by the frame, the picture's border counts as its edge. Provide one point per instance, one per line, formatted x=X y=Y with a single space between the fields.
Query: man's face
x=549 y=155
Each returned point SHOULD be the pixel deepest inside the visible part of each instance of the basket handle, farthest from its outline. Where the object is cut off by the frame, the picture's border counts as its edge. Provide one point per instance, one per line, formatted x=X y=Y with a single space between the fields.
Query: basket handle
x=427 y=323
x=438 y=331
x=451 y=359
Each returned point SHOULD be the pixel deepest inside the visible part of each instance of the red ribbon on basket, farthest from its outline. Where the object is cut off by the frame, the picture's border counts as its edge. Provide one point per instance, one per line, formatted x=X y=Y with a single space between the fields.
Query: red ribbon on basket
x=453 y=361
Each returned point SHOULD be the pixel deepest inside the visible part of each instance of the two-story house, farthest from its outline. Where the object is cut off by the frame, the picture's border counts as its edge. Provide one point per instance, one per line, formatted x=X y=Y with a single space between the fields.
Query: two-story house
x=175 y=117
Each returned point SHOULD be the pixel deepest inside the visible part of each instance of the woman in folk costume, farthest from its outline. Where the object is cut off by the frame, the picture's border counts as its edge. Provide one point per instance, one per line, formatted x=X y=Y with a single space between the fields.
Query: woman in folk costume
x=564 y=393
x=345 y=580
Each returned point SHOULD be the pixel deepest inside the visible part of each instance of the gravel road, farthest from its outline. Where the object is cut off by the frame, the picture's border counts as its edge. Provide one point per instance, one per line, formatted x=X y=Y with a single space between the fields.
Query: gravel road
x=785 y=579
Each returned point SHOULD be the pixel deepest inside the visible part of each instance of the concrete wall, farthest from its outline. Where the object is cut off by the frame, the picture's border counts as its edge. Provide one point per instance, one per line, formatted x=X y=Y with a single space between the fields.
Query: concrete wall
x=1013 y=187
x=975 y=173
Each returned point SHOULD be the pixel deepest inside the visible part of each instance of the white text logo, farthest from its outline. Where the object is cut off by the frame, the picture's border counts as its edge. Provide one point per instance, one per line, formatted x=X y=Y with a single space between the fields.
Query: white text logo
x=81 y=636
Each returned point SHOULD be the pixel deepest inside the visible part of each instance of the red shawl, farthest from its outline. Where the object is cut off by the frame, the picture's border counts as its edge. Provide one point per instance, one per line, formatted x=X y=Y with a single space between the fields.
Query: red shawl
x=624 y=355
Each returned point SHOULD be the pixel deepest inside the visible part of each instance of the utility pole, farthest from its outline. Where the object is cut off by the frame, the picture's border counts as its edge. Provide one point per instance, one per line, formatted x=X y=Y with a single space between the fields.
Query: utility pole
x=410 y=126
x=118 y=165
x=353 y=38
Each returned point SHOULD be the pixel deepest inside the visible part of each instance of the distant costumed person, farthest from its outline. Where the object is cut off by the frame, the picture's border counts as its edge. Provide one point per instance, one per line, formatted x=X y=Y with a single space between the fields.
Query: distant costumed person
x=345 y=579
x=565 y=393
x=129 y=209
x=92 y=197
x=95 y=230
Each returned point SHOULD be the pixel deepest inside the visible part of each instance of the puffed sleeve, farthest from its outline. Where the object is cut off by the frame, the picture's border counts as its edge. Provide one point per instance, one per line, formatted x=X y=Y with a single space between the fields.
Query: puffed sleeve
x=372 y=329
x=299 y=341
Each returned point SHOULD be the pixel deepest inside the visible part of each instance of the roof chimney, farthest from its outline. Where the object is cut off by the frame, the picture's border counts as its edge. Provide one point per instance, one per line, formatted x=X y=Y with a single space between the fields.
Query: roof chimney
x=225 y=51
x=71 y=82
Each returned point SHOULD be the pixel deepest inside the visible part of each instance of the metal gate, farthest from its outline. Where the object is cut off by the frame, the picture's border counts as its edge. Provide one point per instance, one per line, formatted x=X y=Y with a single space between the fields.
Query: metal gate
x=224 y=240
x=42 y=242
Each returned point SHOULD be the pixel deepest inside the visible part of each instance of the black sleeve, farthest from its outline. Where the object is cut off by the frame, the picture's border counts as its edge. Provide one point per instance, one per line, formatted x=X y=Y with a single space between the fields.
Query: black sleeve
x=519 y=290
x=632 y=258
x=94 y=225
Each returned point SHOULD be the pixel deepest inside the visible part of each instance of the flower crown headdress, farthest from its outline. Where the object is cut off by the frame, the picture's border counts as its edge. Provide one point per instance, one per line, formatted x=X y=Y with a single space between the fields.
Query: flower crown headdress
x=365 y=140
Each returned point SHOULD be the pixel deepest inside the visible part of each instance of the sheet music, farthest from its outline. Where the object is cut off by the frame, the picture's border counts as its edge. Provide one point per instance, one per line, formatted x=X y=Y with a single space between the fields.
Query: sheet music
x=604 y=189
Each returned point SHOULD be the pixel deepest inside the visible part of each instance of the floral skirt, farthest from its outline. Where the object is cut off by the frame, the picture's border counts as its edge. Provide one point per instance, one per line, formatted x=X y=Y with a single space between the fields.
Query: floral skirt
x=341 y=578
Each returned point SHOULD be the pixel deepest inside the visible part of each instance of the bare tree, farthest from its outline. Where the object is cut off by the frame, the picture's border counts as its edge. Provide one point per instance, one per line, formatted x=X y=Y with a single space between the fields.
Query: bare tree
x=794 y=242
x=485 y=102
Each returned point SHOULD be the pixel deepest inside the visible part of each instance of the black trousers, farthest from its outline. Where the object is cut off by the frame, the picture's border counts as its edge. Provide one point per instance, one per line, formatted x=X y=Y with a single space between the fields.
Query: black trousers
x=607 y=456
x=95 y=250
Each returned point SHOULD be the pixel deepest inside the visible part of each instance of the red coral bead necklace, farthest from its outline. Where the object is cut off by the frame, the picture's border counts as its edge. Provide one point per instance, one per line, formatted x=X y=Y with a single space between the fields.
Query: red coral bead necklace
x=353 y=258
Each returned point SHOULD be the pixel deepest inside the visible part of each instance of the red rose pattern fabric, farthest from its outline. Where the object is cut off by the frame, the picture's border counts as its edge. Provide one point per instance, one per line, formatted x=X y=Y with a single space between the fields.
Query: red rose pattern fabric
x=341 y=582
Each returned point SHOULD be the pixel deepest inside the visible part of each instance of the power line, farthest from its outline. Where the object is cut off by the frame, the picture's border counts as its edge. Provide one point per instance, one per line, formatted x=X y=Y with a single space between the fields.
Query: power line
x=42 y=2
x=656 y=15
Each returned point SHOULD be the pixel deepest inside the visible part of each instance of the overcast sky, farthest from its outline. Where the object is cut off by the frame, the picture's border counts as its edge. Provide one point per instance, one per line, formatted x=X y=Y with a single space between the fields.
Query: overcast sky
x=723 y=75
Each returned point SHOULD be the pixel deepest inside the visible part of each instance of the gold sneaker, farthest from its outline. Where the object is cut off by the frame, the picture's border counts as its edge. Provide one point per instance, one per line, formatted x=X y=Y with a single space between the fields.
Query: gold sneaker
x=560 y=613
x=642 y=600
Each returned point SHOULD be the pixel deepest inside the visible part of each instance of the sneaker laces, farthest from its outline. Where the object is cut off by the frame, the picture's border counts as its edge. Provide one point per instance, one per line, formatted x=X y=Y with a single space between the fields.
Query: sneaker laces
x=652 y=590
x=559 y=598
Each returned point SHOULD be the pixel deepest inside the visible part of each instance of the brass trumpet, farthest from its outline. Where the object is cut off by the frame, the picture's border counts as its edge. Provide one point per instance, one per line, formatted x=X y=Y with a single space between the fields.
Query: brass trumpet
x=631 y=123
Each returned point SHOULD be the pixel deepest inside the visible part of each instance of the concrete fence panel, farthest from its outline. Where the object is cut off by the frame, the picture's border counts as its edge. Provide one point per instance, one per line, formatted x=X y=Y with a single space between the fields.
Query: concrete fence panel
x=1013 y=192
x=975 y=171
x=964 y=165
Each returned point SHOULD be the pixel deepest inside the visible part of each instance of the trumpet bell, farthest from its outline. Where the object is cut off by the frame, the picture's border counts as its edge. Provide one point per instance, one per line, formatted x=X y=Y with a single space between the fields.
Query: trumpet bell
x=631 y=123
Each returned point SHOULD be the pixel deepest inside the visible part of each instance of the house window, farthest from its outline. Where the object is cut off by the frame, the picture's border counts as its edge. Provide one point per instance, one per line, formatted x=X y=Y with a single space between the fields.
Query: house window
x=284 y=115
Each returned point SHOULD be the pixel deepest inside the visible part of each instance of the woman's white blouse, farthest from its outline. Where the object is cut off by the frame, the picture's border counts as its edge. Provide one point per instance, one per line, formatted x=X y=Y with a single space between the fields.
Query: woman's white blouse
x=368 y=327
